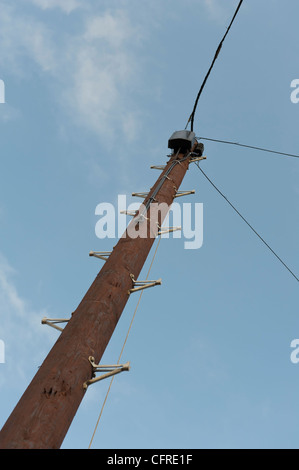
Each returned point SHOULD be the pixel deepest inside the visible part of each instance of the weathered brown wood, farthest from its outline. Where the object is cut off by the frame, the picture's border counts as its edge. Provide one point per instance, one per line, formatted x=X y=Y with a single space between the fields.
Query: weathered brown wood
x=44 y=413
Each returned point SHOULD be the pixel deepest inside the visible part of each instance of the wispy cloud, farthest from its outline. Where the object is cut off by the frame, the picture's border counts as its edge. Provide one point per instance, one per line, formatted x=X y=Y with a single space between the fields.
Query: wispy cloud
x=20 y=330
x=113 y=28
x=93 y=70
x=217 y=9
x=8 y=291
x=66 y=5
x=23 y=37
x=103 y=70
x=8 y=113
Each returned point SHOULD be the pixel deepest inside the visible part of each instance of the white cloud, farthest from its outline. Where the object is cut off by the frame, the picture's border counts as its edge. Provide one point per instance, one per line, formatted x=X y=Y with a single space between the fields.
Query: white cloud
x=8 y=113
x=66 y=5
x=114 y=28
x=217 y=9
x=37 y=41
x=23 y=37
x=213 y=5
x=25 y=339
x=93 y=72
x=102 y=70
x=8 y=293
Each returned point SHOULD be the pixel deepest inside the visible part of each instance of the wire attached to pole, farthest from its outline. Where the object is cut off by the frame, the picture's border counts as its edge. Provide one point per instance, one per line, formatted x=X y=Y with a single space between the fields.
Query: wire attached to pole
x=191 y=118
x=249 y=147
x=250 y=226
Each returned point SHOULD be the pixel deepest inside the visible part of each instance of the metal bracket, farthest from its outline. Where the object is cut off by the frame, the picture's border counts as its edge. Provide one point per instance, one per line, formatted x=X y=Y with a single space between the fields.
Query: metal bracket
x=197 y=159
x=165 y=230
x=139 y=217
x=100 y=254
x=184 y=193
x=110 y=371
x=139 y=285
x=131 y=213
x=52 y=322
x=158 y=167
x=142 y=195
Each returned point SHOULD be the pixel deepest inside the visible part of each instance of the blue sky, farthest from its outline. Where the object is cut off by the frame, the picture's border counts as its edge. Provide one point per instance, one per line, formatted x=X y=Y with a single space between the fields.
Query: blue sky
x=93 y=91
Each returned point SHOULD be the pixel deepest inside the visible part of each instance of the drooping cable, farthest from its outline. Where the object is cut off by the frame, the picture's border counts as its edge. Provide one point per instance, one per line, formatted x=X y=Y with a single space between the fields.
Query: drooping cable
x=250 y=226
x=248 y=146
x=191 y=118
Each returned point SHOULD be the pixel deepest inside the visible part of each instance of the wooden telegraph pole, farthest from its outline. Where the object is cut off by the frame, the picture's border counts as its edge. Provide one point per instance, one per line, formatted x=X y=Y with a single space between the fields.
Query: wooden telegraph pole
x=44 y=413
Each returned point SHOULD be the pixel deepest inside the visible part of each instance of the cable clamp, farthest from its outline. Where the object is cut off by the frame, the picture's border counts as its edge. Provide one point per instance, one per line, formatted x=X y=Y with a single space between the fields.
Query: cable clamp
x=109 y=371
x=139 y=285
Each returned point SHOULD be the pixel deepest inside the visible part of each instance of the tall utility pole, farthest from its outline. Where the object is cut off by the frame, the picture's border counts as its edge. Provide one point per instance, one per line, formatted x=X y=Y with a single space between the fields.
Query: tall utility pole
x=44 y=413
